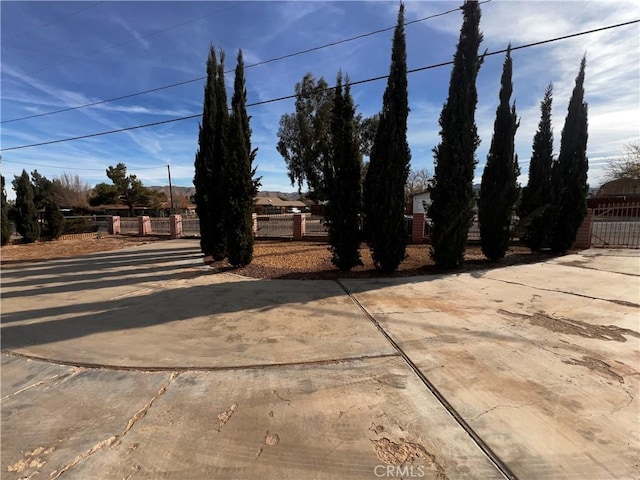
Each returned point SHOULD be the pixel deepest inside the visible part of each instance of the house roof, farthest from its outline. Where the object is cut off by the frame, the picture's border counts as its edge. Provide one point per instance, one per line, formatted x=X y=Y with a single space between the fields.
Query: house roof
x=621 y=186
x=278 y=202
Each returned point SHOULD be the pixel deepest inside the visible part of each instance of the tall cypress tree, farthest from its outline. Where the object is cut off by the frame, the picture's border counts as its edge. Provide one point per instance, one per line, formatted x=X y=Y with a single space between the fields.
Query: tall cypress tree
x=4 y=220
x=203 y=180
x=499 y=189
x=241 y=186
x=26 y=214
x=389 y=164
x=537 y=196
x=219 y=190
x=452 y=195
x=569 y=175
x=342 y=177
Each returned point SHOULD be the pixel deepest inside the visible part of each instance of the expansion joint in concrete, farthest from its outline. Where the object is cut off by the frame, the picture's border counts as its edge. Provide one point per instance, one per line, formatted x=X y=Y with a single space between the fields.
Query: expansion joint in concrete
x=624 y=303
x=502 y=467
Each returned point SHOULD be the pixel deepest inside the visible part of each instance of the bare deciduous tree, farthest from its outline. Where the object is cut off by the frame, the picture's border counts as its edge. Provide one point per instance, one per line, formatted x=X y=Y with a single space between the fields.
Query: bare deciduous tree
x=627 y=165
x=72 y=190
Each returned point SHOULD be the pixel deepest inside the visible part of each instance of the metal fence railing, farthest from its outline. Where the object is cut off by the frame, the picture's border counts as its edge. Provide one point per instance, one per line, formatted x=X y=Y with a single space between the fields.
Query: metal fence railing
x=275 y=226
x=191 y=226
x=160 y=225
x=315 y=226
x=128 y=225
x=616 y=225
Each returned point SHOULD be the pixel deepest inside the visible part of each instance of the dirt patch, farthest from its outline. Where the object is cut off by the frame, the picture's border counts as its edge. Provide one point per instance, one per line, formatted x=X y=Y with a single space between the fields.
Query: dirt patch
x=39 y=251
x=273 y=259
x=575 y=327
x=312 y=261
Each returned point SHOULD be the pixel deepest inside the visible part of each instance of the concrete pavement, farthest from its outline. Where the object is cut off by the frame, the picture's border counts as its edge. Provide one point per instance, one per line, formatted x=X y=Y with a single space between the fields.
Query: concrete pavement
x=143 y=364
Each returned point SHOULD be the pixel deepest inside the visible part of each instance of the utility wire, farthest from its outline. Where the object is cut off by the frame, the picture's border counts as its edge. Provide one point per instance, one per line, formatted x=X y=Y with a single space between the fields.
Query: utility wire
x=77 y=168
x=131 y=40
x=63 y=17
x=264 y=62
x=359 y=82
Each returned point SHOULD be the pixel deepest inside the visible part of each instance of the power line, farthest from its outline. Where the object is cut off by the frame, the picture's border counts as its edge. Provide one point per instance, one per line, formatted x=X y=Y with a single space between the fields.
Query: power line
x=134 y=39
x=63 y=17
x=359 y=82
x=76 y=168
x=264 y=62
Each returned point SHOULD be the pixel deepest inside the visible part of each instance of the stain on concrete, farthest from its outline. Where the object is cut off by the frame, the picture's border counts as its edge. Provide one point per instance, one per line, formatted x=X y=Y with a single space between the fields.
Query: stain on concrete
x=271 y=439
x=31 y=462
x=575 y=327
x=225 y=416
x=597 y=366
x=402 y=452
x=392 y=380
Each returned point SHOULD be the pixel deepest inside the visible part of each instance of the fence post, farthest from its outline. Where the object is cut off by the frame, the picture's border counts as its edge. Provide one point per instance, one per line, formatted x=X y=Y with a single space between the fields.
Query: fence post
x=144 y=225
x=113 y=225
x=417 y=230
x=583 y=238
x=175 y=226
x=254 y=223
x=299 y=226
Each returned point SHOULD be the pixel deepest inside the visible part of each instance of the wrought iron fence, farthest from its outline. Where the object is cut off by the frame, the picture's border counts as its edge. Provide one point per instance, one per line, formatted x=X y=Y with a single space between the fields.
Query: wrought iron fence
x=616 y=225
x=191 y=226
x=315 y=226
x=280 y=226
x=160 y=225
x=128 y=225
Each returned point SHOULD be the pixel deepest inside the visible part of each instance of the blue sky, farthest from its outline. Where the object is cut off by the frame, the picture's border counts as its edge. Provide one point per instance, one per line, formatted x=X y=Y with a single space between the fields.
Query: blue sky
x=64 y=54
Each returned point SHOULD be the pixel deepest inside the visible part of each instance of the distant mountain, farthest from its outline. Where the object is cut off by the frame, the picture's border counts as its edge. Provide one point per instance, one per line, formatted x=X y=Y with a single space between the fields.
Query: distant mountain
x=177 y=191
x=190 y=191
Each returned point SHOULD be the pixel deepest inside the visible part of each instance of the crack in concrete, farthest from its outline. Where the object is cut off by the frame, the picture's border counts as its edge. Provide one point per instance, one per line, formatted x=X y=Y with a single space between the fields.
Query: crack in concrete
x=277 y=395
x=624 y=303
x=501 y=406
x=115 y=438
x=580 y=264
x=61 y=376
x=37 y=384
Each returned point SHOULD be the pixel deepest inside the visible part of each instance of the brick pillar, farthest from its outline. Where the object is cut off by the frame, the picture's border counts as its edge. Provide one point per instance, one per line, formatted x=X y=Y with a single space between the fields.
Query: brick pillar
x=299 y=226
x=113 y=223
x=175 y=226
x=417 y=231
x=583 y=238
x=144 y=226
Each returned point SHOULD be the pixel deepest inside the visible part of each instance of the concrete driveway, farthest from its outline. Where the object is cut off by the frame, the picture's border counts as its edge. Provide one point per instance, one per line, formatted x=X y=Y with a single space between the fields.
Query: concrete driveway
x=141 y=363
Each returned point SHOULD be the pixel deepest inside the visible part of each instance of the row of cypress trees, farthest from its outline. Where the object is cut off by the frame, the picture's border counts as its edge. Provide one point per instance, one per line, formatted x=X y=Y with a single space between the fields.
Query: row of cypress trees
x=553 y=204
x=225 y=187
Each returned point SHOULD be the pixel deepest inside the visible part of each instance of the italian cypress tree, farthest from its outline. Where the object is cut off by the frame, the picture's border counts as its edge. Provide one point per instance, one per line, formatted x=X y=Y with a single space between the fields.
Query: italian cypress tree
x=342 y=177
x=452 y=195
x=4 y=220
x=219 y=187
x=389 y=164
x=537 y=196
x=569 y=176
x=26 y=214
x=45 y=197
x=203 y=180
x=241 y=186
x=499 y=189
